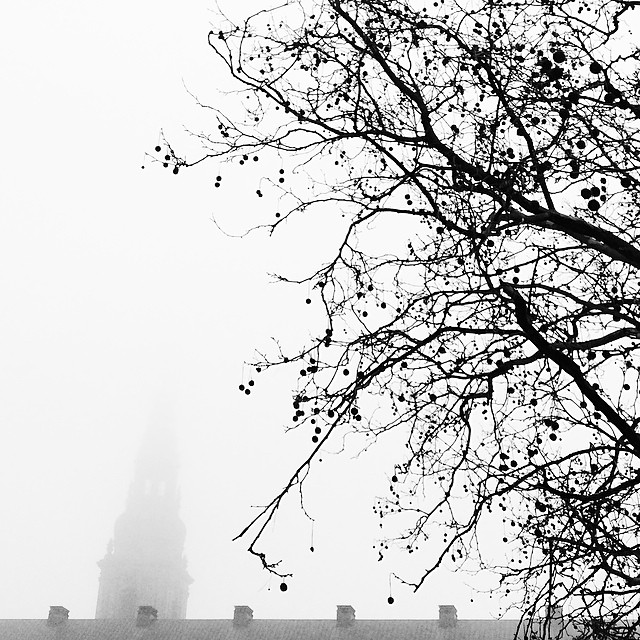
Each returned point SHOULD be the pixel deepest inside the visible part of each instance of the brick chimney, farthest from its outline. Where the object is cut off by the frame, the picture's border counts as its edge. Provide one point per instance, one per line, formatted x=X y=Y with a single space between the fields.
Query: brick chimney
x=448 y=616
x=147 y=615
x=345 y=616
x=242 y=615
x=57 y=615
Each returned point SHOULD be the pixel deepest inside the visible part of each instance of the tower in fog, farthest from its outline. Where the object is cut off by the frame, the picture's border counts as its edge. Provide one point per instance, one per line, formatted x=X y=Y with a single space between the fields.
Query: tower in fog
x=145 y=563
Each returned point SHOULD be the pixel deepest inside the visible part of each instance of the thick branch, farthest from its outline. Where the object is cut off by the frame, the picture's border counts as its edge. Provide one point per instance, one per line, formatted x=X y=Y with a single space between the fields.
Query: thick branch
x=566 y=364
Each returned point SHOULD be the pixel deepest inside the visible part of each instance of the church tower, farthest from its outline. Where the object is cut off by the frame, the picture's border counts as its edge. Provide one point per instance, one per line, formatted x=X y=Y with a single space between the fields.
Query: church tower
x=144 y=563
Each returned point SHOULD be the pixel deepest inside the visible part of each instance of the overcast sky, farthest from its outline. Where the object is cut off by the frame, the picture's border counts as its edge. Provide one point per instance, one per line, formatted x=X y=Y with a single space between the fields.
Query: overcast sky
x=116 y=289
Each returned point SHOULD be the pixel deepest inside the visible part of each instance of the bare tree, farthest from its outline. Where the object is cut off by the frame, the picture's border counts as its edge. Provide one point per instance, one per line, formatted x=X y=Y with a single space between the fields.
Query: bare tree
x=499 y=141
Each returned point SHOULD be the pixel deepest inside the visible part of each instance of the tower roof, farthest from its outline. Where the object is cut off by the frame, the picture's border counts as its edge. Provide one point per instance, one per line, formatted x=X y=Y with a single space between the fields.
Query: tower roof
x=157 y=462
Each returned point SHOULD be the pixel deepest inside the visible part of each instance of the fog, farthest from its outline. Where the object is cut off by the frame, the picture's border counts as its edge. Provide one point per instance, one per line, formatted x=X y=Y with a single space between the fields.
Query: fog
x=119 y=294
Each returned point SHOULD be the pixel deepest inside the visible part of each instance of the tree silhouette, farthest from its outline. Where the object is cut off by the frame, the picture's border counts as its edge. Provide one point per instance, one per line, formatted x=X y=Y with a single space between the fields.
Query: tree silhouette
x=483 y=297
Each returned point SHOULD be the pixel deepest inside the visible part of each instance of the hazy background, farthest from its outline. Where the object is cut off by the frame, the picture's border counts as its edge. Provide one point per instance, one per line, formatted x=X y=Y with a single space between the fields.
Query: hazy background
x=116 y=289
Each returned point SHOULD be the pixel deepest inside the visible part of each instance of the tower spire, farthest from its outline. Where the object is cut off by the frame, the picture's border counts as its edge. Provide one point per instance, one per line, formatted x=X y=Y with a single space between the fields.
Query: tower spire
x=144 y=563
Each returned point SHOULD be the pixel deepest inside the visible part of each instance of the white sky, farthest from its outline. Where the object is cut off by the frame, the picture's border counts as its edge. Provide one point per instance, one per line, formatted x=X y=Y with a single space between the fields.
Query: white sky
x=116 y=288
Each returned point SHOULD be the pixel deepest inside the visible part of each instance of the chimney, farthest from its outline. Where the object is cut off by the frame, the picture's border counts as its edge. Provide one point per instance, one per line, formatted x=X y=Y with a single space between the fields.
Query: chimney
x=448 y=616
x=345 y=616
x=242 y=615
x=146 y=616
x=57 y=615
